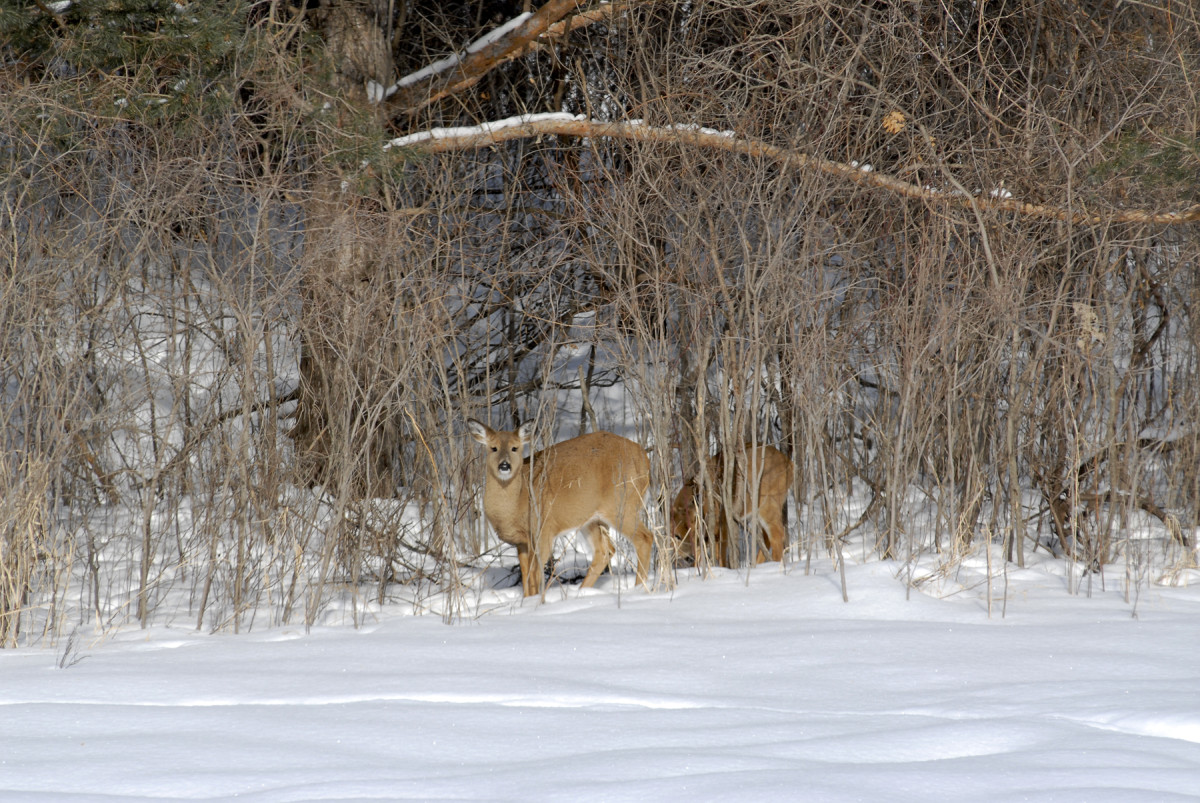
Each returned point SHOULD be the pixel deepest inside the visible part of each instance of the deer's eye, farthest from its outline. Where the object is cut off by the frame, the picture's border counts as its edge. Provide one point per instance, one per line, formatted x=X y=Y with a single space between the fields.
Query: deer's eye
x=493 y=448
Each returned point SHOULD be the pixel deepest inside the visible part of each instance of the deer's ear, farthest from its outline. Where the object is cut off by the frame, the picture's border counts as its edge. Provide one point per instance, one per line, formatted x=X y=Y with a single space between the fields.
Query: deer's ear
x=525 y=433
x=479 y=430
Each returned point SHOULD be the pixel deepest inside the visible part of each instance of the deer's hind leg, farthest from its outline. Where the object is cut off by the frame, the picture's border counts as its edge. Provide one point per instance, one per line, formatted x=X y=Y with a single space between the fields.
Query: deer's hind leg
x=602 y=552
x=642 y=539
x=775 y=531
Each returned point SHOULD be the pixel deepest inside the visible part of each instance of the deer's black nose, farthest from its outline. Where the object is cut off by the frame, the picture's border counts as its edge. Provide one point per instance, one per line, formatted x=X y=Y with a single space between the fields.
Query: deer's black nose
x=504 y=466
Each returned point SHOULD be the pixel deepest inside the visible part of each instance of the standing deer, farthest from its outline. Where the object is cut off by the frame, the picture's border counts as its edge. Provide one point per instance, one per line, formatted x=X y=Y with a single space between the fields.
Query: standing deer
x=692 y=507
x=581 y=483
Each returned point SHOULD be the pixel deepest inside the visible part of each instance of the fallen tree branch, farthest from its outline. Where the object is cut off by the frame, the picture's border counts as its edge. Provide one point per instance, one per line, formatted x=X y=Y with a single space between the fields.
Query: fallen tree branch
x=521 y=35
x=439 y=140
x=601 y=13
x=416 y=91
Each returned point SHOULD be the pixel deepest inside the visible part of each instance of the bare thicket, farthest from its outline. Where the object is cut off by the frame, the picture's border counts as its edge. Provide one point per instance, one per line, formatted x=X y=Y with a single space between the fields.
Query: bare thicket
x=236 y=375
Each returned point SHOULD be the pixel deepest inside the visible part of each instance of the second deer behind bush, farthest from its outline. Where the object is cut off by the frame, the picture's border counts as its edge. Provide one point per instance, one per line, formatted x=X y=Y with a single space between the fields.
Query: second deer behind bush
x=698 y=516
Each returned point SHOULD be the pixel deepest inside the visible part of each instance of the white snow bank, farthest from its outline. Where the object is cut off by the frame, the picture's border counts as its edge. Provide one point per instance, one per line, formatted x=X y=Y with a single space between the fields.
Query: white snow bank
x=719 y=690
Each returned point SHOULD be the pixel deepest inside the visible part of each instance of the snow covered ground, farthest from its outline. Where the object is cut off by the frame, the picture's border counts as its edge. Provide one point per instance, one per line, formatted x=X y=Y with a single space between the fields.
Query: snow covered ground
x=772 y=689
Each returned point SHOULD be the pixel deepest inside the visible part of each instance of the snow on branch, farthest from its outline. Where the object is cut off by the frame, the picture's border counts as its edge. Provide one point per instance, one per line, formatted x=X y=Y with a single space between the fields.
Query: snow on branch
x=440 y=140
x=453 y=60
x=429 y=140
x=511 y=40
x=456 y=73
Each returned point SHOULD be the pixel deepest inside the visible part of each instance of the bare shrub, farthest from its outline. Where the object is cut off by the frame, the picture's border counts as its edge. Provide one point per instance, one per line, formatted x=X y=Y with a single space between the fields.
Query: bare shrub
x=237 y=345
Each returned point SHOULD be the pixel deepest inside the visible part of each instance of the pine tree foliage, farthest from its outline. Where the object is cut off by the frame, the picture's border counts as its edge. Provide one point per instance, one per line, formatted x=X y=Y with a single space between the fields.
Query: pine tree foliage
x=173 y=60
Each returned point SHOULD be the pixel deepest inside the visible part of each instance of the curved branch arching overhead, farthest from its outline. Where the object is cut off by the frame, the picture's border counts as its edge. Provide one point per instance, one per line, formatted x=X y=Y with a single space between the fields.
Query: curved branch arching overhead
x=456 y=139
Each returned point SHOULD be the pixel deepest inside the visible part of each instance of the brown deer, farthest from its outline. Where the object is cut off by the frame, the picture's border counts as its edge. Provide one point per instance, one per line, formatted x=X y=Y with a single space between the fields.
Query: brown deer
x=582 y=483
x=692 y=508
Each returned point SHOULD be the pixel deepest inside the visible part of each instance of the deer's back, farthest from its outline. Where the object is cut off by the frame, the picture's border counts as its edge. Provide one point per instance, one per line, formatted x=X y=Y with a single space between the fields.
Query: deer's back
x=589 y=470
